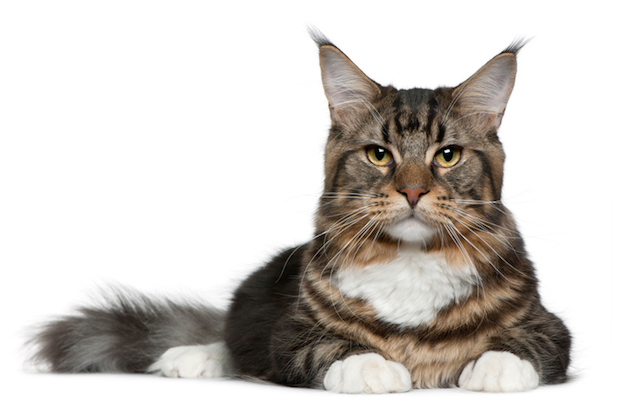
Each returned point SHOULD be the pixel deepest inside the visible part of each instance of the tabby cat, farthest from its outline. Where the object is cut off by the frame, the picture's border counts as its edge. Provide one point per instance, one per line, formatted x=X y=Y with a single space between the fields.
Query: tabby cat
x=416 y=276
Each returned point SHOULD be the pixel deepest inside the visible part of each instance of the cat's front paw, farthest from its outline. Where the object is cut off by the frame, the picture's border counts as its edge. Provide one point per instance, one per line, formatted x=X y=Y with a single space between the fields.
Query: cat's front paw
x=499 y=372
x=210 y=361
x=367 y=373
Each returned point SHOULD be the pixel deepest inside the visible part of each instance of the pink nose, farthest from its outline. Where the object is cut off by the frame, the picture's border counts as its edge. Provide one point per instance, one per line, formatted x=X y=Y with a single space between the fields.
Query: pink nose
x=413 y=195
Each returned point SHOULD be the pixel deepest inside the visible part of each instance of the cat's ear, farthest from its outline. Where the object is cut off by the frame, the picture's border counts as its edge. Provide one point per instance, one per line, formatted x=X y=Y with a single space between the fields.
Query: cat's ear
x=482 y=98
x=348 y=90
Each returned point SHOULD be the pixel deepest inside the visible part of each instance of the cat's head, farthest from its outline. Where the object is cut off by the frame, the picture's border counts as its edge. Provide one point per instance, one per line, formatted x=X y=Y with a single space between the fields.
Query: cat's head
x=412 y=166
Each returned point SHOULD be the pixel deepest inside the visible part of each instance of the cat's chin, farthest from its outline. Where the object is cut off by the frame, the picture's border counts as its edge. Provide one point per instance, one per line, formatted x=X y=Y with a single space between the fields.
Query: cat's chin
x=411 y=230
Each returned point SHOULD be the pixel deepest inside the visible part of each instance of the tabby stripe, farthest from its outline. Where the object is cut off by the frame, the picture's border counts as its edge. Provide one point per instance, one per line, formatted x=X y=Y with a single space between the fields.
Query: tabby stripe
x=434 y=336
x=439 y=179
x=399 y=127
x=474 y=194
x=441 y=134
x=340 y=166
x=344 y=315
x=386 y=133
x=430 y=118
x=397 y=105
x=413 y=125
x=486 y=169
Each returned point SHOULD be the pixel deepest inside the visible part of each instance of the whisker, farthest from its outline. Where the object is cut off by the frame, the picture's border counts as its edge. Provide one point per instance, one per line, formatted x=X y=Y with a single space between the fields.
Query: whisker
x=454 y=232
x=349 y=193
x=341 y=226
x=495 y=251
x=482 y=254
x=360 y=244
x=489 y=225
x=336 y=258
x=496 y=204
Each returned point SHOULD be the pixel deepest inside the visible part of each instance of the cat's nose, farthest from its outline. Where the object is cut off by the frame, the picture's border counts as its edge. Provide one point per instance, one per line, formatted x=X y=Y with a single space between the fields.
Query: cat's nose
x=413 y=194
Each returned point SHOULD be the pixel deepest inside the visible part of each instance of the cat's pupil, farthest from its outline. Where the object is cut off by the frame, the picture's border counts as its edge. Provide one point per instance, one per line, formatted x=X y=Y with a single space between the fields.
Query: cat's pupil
x=379 y=154
x=448 y=154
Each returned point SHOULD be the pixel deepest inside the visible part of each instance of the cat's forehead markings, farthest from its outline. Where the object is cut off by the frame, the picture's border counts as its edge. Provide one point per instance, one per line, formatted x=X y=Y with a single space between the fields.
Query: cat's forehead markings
x=385 y=133
x=414 y=113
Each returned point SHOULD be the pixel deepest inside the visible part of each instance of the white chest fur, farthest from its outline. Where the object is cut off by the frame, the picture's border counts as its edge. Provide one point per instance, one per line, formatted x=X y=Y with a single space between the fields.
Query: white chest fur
x=411 y=289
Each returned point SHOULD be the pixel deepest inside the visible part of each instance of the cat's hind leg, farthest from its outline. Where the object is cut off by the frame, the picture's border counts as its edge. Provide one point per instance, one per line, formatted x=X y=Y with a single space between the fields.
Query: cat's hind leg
x=199 y=361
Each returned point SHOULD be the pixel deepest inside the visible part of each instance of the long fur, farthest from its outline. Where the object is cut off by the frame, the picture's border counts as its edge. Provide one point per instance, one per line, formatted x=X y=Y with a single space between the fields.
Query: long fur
x=127 y=332
x=455 y=247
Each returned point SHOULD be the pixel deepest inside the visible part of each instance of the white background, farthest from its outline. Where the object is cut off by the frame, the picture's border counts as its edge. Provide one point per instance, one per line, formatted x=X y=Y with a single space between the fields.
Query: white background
x=174 y=146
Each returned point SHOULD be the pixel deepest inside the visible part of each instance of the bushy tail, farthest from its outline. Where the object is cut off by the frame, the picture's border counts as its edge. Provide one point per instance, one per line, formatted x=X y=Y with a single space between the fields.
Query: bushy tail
x=126 y=333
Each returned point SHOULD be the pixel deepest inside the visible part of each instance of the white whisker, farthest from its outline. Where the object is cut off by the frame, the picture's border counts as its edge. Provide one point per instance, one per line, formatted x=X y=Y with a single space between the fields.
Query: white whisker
x=495 y=251
x=454 y=235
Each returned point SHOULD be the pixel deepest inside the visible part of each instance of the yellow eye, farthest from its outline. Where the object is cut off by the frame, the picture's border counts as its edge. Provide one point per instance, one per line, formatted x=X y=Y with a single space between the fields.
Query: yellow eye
x=448 y=157
x=379 y=156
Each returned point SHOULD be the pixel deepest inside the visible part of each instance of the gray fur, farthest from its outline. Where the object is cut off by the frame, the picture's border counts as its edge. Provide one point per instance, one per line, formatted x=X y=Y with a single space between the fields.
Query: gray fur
x=126 y=333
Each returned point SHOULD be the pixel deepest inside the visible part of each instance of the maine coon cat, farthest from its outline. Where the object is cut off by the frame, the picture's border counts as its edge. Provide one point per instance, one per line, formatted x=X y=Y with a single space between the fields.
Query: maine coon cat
x=416 y=276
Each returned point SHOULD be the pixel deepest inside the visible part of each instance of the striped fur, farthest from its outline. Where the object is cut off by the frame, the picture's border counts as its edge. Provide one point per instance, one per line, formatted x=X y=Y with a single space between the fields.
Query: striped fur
x=302 y=313
x=361 y=201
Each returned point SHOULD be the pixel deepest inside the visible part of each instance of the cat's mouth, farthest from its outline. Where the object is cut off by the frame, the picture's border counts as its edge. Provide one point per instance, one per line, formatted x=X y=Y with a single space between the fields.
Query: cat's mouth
x=412 y=229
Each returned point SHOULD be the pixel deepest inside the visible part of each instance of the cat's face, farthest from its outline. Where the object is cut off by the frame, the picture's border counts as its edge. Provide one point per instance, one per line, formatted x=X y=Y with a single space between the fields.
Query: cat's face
x=411 y=166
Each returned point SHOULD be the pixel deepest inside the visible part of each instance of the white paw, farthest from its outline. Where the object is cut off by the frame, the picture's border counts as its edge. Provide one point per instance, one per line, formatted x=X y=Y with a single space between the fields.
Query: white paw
x=367 y=373
x=210 y=361
x=499 y=372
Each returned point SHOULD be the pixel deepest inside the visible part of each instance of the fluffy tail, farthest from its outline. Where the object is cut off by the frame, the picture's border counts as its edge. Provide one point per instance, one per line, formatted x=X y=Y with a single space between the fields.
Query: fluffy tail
x=127 y=333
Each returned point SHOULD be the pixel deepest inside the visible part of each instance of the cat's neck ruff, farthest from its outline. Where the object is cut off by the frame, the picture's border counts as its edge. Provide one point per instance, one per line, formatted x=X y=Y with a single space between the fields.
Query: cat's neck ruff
x=412 y=288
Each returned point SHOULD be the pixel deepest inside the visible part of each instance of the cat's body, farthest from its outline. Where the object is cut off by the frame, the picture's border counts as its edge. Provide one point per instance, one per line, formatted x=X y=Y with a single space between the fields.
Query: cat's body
x=416 y=276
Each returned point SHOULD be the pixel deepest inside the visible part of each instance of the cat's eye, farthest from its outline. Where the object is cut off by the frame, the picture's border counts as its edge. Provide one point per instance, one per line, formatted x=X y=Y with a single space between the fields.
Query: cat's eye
x=379 y=156
x=448 y=157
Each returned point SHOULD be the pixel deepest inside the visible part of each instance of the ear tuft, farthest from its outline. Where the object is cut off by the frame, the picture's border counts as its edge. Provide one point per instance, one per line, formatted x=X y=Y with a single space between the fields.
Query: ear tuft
x=516 y=46
x=318 y=37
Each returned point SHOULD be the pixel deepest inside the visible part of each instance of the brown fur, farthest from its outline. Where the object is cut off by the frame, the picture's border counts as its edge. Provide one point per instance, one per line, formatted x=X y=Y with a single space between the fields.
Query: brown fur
x=464 y=204
x=437 y=191
x=436 y=354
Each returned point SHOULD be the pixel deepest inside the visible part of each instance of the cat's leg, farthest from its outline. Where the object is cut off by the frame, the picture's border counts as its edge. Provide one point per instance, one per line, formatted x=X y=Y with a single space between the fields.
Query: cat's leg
x=339 y=366
x=367 y=373
x=520 y=359
x=499 y=372
x=199 y=361
x=303 y=355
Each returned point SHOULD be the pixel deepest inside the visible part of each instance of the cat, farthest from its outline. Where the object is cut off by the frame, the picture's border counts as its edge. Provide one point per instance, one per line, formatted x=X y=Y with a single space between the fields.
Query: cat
x=416 y=277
